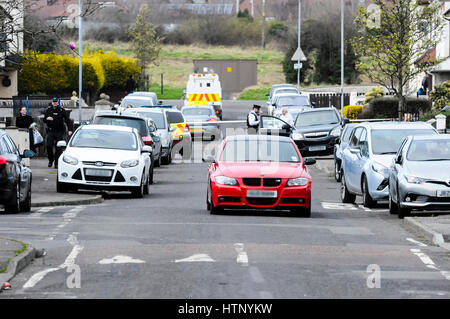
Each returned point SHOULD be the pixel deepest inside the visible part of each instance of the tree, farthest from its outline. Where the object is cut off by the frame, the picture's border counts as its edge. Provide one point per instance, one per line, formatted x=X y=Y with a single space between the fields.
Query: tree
x=395 y=35
x=11 y=31
x=145 y=42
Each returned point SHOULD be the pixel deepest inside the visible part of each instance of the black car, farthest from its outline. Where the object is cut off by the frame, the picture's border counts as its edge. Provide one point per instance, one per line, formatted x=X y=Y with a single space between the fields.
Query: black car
x=15 y=177
x=129 y=120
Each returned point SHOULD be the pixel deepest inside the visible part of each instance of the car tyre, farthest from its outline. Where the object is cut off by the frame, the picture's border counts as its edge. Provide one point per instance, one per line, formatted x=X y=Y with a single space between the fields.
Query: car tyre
x=158 y=162
x=393 y=208
x=346 y=196
x=367 y=199
x=337 y=171
x=214 y=210
x=138 y=192
x=61 y=187
x=25 y=207
x=14 y=207
x=147 y=186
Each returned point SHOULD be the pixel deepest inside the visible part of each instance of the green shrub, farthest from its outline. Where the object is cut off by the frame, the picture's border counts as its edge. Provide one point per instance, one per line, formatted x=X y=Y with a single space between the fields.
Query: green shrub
x=373 y=93
x=352 y=111
x=387 y=107
x=441 y=95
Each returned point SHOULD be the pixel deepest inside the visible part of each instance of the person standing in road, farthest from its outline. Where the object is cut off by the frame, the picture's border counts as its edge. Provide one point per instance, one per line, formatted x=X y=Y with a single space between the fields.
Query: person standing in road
x=253 y=119
x=286 y=116
x=130 y=86
x=55 y=117
x=26 y=121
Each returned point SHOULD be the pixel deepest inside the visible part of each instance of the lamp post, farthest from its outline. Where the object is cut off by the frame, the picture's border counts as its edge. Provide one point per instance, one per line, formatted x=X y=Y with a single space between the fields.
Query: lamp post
x=342 y=57
x=298 y=41
x=80 y=55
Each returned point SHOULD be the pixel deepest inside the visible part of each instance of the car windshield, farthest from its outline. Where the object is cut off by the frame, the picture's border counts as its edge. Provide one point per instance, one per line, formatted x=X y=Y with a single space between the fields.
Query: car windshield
x=175 y=117
x=259 y=151
x=157 y=117
x=137 y=123
x=346 y=135
x=389 y=141
x=136 y=102
x=197 y=111
x=117 y=140
x=293 y=101
x=429 y=150
x=285 y=90
x=317 y=118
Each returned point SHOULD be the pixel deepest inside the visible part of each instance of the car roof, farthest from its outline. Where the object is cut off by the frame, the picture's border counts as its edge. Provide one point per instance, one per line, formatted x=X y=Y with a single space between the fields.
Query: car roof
x=142 y=94
x=430 y=137
x=107 y=127
x=116 y=115
x=132 y=110
x=198 y=107
x=289 y=94
x=258 y=137
x=396 y=125
x=282 y=84
x=137 y=97
x=307 y=110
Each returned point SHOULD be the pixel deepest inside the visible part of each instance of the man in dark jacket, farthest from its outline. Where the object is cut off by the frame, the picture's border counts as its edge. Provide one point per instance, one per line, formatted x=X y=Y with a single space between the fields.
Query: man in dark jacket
x=54 y=118
x=130 y=85
x=25 y=121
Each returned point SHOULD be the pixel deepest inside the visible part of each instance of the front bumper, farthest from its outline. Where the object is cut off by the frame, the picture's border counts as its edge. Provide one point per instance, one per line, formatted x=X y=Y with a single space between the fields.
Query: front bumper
x=378 y=184
x=326 y=143
x=423 y=196
x=236 y=196
x=205 y=131
x=120 y=179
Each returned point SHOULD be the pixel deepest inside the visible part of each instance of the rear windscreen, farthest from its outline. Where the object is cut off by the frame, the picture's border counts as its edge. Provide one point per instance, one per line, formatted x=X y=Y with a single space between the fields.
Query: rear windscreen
x=138 y=124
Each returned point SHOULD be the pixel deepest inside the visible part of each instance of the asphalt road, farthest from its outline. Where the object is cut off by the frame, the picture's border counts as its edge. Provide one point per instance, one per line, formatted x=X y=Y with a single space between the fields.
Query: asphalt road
x=166 y=245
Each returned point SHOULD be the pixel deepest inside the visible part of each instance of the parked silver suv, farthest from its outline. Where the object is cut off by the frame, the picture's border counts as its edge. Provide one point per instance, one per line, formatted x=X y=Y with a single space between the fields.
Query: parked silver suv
x=366 y=160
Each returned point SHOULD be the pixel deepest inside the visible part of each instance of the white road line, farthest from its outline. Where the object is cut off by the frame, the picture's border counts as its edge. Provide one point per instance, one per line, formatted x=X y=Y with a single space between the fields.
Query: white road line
x=68 y=216
x=70 y=261
x=338 y=206
x=242 y=257
x=423 y=257
x=416 y=242
x=196 y=258
x=364 y=208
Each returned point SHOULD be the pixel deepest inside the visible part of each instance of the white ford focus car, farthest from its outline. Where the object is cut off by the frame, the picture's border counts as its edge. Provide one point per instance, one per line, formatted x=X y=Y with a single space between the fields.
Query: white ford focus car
x=104 y=157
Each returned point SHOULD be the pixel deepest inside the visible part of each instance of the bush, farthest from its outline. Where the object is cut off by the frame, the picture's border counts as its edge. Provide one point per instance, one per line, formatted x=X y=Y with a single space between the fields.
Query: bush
x=352 y=111
x=441 y=95
x=387 y=107
x=51 y=73
x=376 y=92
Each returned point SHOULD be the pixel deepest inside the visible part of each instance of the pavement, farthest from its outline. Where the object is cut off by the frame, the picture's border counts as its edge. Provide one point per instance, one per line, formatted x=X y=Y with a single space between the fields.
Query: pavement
x=16 y=255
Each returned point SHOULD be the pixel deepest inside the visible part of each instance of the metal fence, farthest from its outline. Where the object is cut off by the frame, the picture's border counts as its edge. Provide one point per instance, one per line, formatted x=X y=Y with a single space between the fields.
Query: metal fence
x=329 y=100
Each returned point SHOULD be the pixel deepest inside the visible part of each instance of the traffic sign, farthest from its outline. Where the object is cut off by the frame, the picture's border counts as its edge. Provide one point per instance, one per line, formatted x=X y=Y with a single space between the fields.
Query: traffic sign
x=298 y=66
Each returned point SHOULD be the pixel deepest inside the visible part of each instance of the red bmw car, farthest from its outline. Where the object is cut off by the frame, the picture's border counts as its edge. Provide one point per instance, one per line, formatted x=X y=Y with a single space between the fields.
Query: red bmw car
x=259 y=172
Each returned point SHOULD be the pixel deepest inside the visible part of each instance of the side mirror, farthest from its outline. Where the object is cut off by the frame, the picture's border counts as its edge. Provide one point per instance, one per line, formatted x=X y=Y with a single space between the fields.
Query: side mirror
x=267 y=94
x=28 y=154
x=313 y=104
x=355 y=150
x=399 y=159
x=209 y=159
x=310 y=161
x=147 y=149
x=61 y=144
x=346 y=121
x=338 y=140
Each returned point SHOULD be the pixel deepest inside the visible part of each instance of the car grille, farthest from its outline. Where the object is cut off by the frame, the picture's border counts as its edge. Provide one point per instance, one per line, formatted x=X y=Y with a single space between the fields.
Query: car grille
x=261 y=201
x=98 y=162
x=77 y=175
x=316 y=134
x=271 y=182
x=439 y=183
x=252 y=181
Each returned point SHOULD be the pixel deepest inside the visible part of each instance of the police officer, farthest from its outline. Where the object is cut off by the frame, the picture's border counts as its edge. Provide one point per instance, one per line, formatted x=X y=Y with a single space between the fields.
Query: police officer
x=55 y=117
x=253 y=119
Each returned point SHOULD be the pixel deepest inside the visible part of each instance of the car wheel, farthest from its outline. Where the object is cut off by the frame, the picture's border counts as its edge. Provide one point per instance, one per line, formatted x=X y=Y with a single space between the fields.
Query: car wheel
x=151 y=175
x=14 y=207
x=138 y=192
x=158 y=161
x=367 y=199
x=402 y=211
x=393 y=208
x=26 y=205
x=61 y=187
x=147 y=186
x=337 y=171
x=302 y=211
x=346 y=196
x=214 y=210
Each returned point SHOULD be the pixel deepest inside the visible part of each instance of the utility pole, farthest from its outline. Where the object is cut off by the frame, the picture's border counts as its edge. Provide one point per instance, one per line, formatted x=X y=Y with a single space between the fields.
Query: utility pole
x=298 y=44
x=80 y=66
x=264 y=24
x=342 y=56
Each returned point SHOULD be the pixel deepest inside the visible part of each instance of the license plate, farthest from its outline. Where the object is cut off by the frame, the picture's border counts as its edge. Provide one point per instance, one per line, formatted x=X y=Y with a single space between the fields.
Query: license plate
x=265 y=194
x=98 y=172
x=197 y=130
x=317 y=148
x=443 y=193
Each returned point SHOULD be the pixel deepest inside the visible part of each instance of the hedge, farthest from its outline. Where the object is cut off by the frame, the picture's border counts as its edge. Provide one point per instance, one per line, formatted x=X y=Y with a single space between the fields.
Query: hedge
x=387 y=107
x=52 y=73
x=352 y=111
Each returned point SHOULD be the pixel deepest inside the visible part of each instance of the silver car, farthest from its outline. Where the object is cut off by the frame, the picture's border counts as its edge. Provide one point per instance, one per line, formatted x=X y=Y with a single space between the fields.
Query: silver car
x=340 y=145
x=198 y=117
x=366 y=160
x=419 y=176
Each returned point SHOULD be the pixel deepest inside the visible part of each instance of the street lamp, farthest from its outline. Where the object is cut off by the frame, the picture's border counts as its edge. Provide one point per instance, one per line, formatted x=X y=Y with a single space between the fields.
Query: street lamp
x=342 y=57
x=298 y=42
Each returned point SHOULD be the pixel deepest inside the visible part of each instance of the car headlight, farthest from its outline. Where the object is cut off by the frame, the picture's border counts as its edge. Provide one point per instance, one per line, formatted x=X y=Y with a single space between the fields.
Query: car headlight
x=300 y=181
x=129 y=163
x=223 y=180
x=165 y=142
x=336 y=132
x=380 y=168
x=70 y=160
x=415 y=179
x=297 y=136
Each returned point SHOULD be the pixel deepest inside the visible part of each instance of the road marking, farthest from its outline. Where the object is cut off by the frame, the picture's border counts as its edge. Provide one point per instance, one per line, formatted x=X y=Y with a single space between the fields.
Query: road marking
x=120 y=260
x=423 y=257
x=242 y=257
x=69 y=262
x=338 y=206
x=196 y=258
x=364 y=208
x=68 y=216
x=416 y=242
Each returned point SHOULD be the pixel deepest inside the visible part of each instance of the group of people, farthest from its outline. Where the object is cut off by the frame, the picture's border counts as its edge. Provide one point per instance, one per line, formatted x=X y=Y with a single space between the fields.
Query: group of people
x=253 y=118
x=54 y=118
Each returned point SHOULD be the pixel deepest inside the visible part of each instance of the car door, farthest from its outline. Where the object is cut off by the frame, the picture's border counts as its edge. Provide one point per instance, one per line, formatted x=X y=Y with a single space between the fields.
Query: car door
x=361 y=158
x=270 y=125
x=21 y=172
x=156 y=136
x=349 y=158
x=395 y=170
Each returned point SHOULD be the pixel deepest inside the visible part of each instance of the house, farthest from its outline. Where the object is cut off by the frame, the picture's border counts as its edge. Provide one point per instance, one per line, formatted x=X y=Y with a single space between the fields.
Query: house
x=441 y=72
x=11 y=45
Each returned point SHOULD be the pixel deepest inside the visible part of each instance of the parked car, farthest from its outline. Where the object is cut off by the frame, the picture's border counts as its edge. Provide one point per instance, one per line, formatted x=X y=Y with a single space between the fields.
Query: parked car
x=277 y=86
x=198 y=119
x=181 y=134
x=367 y=158
x=129 y=120
x=289 y=100
x=15 y=177
x=248 y=174
x=105 y=157
x=133 y=100
x=159 y=116
x=151 y=95
x=419 y=176
x=317 y=130
x=340 y=145
x=156 y=145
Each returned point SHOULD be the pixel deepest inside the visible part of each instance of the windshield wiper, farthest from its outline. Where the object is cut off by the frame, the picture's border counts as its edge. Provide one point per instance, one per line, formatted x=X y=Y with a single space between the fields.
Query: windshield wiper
x=384 y=153
x=437 y=159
